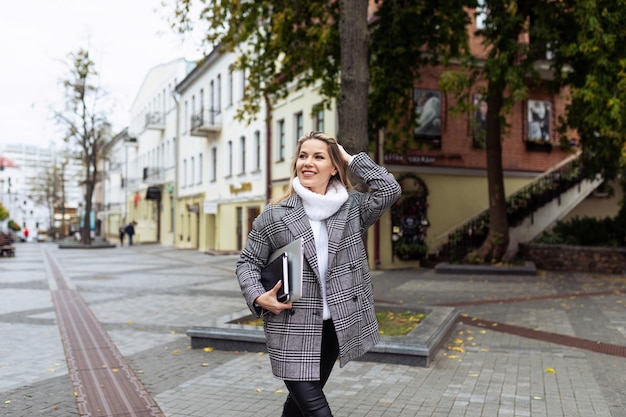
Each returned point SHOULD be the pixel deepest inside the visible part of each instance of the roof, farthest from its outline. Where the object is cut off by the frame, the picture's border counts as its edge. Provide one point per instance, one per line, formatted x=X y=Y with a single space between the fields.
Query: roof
x=7 y=163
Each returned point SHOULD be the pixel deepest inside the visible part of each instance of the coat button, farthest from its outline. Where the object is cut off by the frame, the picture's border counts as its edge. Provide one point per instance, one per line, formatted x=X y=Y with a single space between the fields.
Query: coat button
x=316 y=313
x=355 y=298
x=292 y=312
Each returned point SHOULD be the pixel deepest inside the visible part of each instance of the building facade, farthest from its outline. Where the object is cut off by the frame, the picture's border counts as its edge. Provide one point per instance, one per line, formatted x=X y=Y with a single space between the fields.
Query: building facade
x=151 y=149
x=221 y=181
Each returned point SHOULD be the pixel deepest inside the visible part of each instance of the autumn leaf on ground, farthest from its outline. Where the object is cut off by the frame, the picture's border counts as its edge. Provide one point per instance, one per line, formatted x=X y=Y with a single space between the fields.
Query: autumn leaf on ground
x=551 y=370
x=175 y=352
x=208 y=349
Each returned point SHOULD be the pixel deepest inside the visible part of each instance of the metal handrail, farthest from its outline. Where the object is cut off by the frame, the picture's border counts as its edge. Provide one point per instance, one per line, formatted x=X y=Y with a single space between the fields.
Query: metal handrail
x=521 y=204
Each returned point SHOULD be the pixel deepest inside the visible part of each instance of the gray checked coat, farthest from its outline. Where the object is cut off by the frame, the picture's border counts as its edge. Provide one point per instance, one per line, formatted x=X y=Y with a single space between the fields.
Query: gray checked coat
x=294 y=336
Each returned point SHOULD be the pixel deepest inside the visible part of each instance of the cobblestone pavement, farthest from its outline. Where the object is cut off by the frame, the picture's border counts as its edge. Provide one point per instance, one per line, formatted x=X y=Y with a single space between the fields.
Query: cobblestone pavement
x=147 y=296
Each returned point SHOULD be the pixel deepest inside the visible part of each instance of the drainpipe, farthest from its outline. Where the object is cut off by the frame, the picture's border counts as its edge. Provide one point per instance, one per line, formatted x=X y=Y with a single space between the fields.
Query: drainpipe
x=176 y=153
x=268 y=146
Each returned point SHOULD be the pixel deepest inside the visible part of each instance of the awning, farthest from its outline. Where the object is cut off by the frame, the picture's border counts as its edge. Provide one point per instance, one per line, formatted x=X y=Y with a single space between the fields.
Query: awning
x=153 y=193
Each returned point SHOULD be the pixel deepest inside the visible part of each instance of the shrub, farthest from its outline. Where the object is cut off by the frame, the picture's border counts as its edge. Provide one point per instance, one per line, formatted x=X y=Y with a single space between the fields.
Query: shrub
x=585 y=231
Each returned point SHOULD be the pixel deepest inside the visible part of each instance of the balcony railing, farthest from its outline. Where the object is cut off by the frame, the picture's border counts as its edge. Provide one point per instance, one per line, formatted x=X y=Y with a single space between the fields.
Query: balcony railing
x=155 y=120
x=206 y=123
x=152 y=175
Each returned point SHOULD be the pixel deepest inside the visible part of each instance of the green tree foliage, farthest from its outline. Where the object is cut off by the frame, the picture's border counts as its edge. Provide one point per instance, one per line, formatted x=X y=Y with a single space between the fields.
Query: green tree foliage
x=288 y=45
x=581 y=41
x=504 y=77
x=86 y=125
x=4 y=213
x=278 y=43
x=589 y=55
x=406 y=36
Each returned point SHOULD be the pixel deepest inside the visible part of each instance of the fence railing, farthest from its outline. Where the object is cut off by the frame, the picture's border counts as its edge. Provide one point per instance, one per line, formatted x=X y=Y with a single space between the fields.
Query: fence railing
x=520 y=205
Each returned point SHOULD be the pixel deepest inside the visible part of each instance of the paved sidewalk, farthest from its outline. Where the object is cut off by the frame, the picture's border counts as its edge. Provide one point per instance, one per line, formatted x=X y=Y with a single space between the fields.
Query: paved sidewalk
x=147 y=296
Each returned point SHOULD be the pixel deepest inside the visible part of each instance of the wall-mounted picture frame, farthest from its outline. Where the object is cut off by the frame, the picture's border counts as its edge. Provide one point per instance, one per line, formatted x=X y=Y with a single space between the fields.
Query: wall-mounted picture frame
x=478 y=121
x=427 y=108
x=538 y=121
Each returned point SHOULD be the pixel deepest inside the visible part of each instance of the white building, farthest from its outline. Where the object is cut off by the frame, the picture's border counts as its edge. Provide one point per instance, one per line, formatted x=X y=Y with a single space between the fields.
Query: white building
x=21 y=185
x=150 y=175
x=221 y=161
x=113 y=214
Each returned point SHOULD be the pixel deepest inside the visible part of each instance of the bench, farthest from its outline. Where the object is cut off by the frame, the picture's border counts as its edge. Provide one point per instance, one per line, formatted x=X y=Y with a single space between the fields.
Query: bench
x=6 y=246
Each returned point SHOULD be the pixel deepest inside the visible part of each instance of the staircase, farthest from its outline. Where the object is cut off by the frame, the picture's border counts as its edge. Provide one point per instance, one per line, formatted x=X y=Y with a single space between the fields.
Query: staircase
x=530 y=210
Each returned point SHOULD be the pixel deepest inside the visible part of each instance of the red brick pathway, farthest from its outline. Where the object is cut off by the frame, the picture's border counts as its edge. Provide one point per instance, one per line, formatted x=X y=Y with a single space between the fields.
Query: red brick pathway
x=104 y=383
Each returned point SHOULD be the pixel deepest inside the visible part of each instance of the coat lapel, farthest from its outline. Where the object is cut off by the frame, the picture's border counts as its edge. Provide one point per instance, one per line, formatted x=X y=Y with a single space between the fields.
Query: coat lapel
x=335 y=225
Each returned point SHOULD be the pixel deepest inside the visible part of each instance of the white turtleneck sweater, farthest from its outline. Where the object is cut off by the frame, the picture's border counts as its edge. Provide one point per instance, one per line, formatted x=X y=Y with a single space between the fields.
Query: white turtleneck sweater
x=318 y=208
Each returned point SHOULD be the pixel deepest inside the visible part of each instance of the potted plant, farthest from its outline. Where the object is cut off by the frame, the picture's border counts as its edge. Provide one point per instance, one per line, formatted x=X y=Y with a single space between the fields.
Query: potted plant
x=410 y=250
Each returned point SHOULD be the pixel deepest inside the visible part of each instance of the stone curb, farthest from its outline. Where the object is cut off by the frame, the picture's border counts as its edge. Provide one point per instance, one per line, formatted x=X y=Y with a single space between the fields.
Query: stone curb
x=528 y=268
x=415 y=349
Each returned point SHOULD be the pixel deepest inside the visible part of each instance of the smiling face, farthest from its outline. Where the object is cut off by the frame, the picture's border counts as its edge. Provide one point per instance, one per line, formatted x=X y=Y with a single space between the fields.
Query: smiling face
x=314 y=165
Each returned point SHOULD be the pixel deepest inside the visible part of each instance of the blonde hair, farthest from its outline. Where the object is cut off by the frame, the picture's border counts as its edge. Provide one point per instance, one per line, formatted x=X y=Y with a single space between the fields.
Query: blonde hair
x=335 y=157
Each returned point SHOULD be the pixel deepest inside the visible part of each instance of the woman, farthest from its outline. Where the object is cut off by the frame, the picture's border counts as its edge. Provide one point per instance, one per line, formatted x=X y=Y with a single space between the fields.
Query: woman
x=335 y=316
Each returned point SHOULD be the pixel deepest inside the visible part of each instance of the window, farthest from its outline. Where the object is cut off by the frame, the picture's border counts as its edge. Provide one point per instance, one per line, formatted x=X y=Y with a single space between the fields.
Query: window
x=243 y=84
x=427 y=105
x=184 y=173
x=201 y=110
x=164 y=109
x=257 y=150
x=299 y=124
x=242 y=146
x=211 y=103
x=200 y=168
x=230 y=158
x=213 y=164
x=230 y=87
x=186 y=119
x=193 y=107
x=280 y=131
x=318 y=118
x=218 y=98
x=479 y=121
x=192 y=171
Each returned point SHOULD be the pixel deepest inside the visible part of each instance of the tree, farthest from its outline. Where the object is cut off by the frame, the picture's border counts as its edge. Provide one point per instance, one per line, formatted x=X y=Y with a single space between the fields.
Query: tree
x=591 y=60
x=582 y=42
x=49 y=189
x=4 y=213
x=86 y=126
x=507 y=73
x=282 y=44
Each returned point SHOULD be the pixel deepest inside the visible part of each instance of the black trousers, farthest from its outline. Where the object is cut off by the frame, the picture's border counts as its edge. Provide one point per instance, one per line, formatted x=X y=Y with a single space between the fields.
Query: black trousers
x=306 y=398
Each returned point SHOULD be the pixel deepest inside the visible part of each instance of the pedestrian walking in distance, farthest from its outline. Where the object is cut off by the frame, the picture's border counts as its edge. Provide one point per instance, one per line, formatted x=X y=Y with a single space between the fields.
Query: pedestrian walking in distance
x=122 y=233
x=334 y=318
x=130 y=232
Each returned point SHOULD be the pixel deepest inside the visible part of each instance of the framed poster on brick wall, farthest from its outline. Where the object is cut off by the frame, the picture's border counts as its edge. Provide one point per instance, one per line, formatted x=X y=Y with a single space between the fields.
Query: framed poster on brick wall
x=427 y=105
x=537 y=135
x=538 y=121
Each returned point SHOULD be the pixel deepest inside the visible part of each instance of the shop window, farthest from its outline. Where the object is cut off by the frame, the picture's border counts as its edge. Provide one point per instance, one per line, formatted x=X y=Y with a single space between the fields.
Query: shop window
x=410 y=219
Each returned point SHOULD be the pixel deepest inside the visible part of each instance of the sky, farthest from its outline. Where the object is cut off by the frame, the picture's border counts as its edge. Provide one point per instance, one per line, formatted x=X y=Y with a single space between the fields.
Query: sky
x=125 y=38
